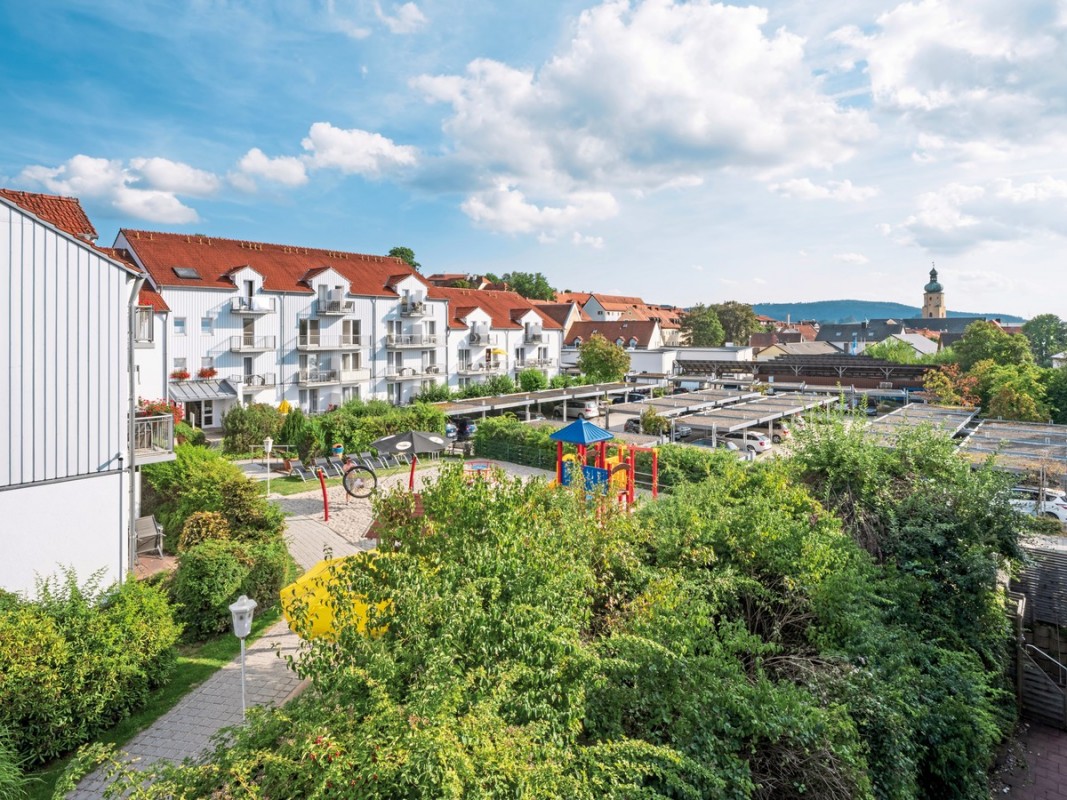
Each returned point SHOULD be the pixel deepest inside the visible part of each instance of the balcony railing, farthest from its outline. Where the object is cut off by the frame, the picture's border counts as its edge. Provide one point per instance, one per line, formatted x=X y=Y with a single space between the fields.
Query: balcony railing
x=252 y=306
x=313 y=377
x=252 y=383
x=414 y=308
x=319 y=341
x=251 y=344
x=153 y=439
x=535 y=362
x=355 y=375
x=334 y=308
x=534 y=337
x=483 y=339
x=411 y=340
x=483 y=368
x=412 y=373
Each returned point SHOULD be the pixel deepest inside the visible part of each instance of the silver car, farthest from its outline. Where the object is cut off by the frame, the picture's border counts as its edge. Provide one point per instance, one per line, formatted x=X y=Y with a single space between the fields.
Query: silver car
x=1050 y=503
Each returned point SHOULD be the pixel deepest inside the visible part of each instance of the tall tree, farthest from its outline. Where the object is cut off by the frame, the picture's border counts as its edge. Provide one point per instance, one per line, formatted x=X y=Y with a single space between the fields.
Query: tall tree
x=603 y=361
x=407 y=255
x=986 y=340
x=532 y=285
x=701 y=327
x=1047 y=334
x=738 y=320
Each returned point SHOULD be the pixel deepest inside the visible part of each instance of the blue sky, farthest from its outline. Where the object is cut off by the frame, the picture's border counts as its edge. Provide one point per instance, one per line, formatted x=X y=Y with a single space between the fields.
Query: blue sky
x=684 y=152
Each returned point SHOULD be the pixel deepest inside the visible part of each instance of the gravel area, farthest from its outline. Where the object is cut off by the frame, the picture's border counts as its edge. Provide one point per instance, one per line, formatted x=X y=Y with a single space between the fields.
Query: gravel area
x=351 y=517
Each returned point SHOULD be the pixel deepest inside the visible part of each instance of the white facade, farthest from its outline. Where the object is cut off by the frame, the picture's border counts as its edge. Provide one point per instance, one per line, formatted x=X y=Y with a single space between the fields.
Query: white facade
x=64 y=438
x=483 y=350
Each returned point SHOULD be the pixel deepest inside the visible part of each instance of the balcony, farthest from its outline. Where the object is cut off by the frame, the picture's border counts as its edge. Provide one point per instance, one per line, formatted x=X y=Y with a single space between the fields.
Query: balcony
x=537 y=363
x=534 y=337
x=153 y=439
x=400 y=340
x=355 y=375
x=319 y=342
x=414 y=308
x=412 y=373
x=485 y=368
x=252 y=306
x=483 y=339
x=317 y=377
x=252 y=383
x=334 y=308
x=252 y=344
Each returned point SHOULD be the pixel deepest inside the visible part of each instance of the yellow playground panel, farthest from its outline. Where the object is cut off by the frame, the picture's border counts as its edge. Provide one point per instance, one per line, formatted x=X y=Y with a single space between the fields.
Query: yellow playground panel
x=316 y=592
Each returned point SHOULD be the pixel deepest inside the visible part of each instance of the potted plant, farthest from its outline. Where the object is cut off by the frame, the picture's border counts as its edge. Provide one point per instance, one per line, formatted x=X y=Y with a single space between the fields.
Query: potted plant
x=207 y=372
x=180 y=375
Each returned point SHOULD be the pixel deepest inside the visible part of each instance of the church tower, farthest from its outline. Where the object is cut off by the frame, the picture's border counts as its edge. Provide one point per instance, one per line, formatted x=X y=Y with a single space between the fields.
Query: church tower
x=933 y=298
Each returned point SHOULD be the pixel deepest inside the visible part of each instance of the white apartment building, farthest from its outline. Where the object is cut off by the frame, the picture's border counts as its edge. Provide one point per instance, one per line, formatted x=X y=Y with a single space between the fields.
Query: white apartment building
x=493 y=333
x=254 y=322
x=70 y=441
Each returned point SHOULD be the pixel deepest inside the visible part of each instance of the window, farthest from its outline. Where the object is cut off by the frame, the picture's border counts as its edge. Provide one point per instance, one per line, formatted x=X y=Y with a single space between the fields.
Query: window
x=577 y=341
x=207 y=362
x=179 y=326
x=179 y=364
x=189 y=273
x=207 y=325
x=142 y=325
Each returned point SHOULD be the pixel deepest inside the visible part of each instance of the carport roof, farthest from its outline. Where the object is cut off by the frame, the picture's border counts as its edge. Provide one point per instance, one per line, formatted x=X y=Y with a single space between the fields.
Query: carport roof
x=950 y=419
x=1019 y=446
x=757 y=412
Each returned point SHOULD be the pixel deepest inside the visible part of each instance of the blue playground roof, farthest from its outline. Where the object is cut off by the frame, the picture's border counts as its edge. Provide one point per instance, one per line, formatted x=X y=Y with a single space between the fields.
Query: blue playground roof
x=581 y=432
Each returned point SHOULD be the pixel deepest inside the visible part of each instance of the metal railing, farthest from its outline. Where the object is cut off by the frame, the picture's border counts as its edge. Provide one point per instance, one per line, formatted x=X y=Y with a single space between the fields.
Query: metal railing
x=309 y=376
x=482 y=339
x=319 y=341
x=533 y=338
x=489 y=368
x=153 y=434
x=251 y=344
x=411 y=340
x=416 y=308
x=252 y=305
x=334 y=307
x=355 y=375
x=410 y=373
x=252 y=382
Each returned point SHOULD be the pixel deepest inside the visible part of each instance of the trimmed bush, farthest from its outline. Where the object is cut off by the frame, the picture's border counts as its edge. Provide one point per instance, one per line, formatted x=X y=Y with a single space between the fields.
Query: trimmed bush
x=202 y=526
x=78 y=660
x=506 y=439
x=245 y=427
x=184 y=433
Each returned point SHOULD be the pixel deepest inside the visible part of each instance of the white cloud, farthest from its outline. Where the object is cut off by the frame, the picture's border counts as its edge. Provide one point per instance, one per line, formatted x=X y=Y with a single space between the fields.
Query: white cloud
x=406 y=18
x=112 y=182
x=805 y=189
x=286 y=170
x=339 y=21
x=354 y=151
x=173 y=176
x=506 y=209
x=644 y=96
x=852 y=258
x=596 y=242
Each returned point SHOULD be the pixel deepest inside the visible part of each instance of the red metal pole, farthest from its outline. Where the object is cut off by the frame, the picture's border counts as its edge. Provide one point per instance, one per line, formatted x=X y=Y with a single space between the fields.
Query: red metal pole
x=559 y=463
x=325 y=500
x=411 y=480
x=655 y=474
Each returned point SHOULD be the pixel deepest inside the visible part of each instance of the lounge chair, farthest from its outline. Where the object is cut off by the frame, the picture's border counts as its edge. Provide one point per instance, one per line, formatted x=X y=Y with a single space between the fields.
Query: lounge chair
x=298 y=469
x=149 y=536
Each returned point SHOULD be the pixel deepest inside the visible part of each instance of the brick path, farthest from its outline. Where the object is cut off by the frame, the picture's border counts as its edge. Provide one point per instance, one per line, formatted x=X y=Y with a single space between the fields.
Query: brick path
x=186 y=730
x=1044 y=774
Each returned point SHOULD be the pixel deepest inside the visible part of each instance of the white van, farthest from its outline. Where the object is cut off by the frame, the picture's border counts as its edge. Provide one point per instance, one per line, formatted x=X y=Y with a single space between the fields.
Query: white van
x=586 y=409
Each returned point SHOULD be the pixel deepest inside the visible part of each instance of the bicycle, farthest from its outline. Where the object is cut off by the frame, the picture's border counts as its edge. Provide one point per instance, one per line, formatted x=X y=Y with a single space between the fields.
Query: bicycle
x=359 y=479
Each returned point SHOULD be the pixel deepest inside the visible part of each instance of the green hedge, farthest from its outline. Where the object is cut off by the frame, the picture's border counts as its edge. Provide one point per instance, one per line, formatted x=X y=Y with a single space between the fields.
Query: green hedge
x=356 y=424
x=78 y=660
x=213 y=574
x=504 y=438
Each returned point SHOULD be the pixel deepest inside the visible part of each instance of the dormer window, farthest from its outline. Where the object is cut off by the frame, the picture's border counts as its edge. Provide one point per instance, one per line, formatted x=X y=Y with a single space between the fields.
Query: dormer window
x=189 y=273
x=619 y=341
x=577 y=341
x=633 y=341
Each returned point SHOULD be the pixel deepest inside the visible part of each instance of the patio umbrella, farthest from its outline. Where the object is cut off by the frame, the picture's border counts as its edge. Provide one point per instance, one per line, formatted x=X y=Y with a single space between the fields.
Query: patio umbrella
x=312 y=590
x=413 y=442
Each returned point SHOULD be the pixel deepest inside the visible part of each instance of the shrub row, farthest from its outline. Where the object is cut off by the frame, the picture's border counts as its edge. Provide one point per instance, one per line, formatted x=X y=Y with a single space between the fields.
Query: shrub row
x=76 y=660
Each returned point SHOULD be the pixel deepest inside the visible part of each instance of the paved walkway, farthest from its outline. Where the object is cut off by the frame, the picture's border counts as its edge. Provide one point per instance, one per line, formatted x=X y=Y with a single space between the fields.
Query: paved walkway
x=1041 y=770
x=186 y=730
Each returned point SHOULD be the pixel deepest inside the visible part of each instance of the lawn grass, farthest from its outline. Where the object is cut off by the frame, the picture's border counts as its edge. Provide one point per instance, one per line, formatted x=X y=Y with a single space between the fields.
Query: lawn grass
x=196 y=663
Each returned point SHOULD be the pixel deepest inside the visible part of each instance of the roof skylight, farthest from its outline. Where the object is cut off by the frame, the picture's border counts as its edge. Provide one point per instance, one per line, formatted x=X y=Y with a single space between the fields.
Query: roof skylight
x=188 y=272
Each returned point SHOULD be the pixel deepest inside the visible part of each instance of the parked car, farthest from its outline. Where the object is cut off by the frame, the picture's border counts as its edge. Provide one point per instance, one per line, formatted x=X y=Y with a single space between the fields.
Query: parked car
x=629 y=397
x=780 y=431
x=451 y=431
x=535 y=416
x=723 y=444
x=749 y=440
x=1051 y=503
x=681 y=432
x=465 y=428
x=586 y=409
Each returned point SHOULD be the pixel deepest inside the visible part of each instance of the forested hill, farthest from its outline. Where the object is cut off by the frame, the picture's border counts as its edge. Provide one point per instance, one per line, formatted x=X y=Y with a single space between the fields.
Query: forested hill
x=856 y=311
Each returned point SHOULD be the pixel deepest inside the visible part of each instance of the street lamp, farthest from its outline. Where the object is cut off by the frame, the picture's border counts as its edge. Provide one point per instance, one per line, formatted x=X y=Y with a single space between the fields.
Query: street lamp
x=242 y=626
x=268 y=445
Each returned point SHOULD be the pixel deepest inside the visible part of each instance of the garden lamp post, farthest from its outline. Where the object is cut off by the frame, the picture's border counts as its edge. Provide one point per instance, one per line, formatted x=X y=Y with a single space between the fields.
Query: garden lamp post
x=242 y=626
x=268 y=445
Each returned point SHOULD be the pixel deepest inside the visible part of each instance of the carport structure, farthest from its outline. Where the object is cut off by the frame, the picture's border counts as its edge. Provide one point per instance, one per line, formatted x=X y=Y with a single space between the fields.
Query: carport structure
x=527 y=401
x=1033 y=447
x=763 y=410
x=677 y=405
x=948 y=419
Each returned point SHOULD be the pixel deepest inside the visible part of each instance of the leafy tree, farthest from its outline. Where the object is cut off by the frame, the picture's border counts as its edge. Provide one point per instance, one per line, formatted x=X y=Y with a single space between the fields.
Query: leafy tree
x=1055 y=383
x=436 y=393
x=701 y=327
x=949 y=386
x=738 y=321
x=532 y=285
x=461 y=283
x=407 y=255
x=986 y=340
x=1047 y=335
x=654 y=424
x=1013 y=391
x=532 y=380
x=893 y=350
x=603 y=361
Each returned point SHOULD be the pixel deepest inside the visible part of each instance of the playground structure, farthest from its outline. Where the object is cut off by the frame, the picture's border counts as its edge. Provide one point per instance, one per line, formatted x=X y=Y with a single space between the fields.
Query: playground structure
x=612 y=472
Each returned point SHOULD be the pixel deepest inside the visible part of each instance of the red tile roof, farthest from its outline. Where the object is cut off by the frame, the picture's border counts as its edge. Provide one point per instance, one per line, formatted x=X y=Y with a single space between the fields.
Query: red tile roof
x=65 y=213
x=581 y=298
x=642 y=330
x=502 y=307
x=284 y=267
